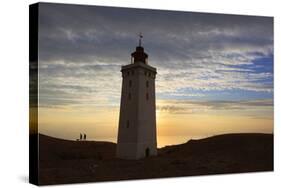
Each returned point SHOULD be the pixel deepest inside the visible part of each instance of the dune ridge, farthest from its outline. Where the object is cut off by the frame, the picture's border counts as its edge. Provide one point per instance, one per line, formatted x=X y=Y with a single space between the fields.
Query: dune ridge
x=64 y=161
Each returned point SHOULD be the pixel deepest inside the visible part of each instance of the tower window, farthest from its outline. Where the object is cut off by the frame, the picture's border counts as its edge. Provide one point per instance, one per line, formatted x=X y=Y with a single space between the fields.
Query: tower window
x=130 y=83
x=128 y=124
x=147 y=83
x=145 y=73
x=128 y=73
x=147 y=96
x=133 y=72
x=149 y=74
x=129 y=96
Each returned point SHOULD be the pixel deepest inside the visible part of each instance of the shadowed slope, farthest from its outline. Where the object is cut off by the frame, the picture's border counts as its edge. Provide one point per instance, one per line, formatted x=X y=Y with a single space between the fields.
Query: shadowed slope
x=59 y=149
x=63 y=161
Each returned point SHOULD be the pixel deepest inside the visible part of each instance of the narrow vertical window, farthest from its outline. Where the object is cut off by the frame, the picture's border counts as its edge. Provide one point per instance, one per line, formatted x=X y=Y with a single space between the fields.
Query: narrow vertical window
x=133 y=72
x=147 y=83
x=128 y=73
x=130 y=83
x=128 y=124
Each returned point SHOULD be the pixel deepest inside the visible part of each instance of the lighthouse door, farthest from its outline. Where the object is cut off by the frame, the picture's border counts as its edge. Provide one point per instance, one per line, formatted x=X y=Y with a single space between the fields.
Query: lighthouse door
x=147 y=152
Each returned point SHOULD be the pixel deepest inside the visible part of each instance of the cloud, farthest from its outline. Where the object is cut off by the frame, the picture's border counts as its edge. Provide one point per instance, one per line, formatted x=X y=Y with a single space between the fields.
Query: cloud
x=82 y=48
x=193 y=106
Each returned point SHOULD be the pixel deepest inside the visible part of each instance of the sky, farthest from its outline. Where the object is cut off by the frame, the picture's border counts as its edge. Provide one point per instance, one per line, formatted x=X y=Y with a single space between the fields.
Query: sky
x=214 y=71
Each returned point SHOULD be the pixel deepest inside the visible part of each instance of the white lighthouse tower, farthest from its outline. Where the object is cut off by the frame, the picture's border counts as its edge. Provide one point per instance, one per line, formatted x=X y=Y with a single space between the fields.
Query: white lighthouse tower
x=137 y=120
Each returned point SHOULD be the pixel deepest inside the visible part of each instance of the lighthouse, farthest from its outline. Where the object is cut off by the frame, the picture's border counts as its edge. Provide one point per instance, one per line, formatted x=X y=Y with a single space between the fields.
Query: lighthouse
x=137 y=118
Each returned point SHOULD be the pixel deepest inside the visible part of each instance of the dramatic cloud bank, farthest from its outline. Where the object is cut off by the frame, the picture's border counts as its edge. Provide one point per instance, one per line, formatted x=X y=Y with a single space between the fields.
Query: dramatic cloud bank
x=224 y=60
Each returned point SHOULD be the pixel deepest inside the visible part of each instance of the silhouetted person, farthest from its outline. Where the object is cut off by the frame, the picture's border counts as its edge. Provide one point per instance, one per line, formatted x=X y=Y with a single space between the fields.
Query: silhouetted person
x=80 y=136
x=85 y=136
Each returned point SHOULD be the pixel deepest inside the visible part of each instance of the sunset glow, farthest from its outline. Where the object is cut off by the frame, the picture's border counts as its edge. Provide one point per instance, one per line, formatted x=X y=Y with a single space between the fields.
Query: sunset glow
x=214 y=72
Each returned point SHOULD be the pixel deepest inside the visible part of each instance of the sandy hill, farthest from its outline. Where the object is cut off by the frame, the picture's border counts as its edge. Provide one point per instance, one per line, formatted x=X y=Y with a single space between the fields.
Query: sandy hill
x=63 y=161
x=59 y=149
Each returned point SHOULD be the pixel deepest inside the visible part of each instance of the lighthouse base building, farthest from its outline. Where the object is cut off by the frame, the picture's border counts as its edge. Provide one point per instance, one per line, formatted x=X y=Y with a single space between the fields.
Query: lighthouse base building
x=137 y=119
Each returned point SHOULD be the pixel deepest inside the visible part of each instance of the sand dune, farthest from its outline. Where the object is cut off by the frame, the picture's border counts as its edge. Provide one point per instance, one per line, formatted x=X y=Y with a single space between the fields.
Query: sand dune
x=63 y=161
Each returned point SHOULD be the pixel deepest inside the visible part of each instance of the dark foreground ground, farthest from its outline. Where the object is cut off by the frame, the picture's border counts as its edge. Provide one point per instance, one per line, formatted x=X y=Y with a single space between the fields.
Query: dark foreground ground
x=63 y=161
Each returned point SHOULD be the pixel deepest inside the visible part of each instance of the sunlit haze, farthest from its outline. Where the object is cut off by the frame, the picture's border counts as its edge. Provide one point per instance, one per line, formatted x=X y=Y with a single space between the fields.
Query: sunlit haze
x=214 y=72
